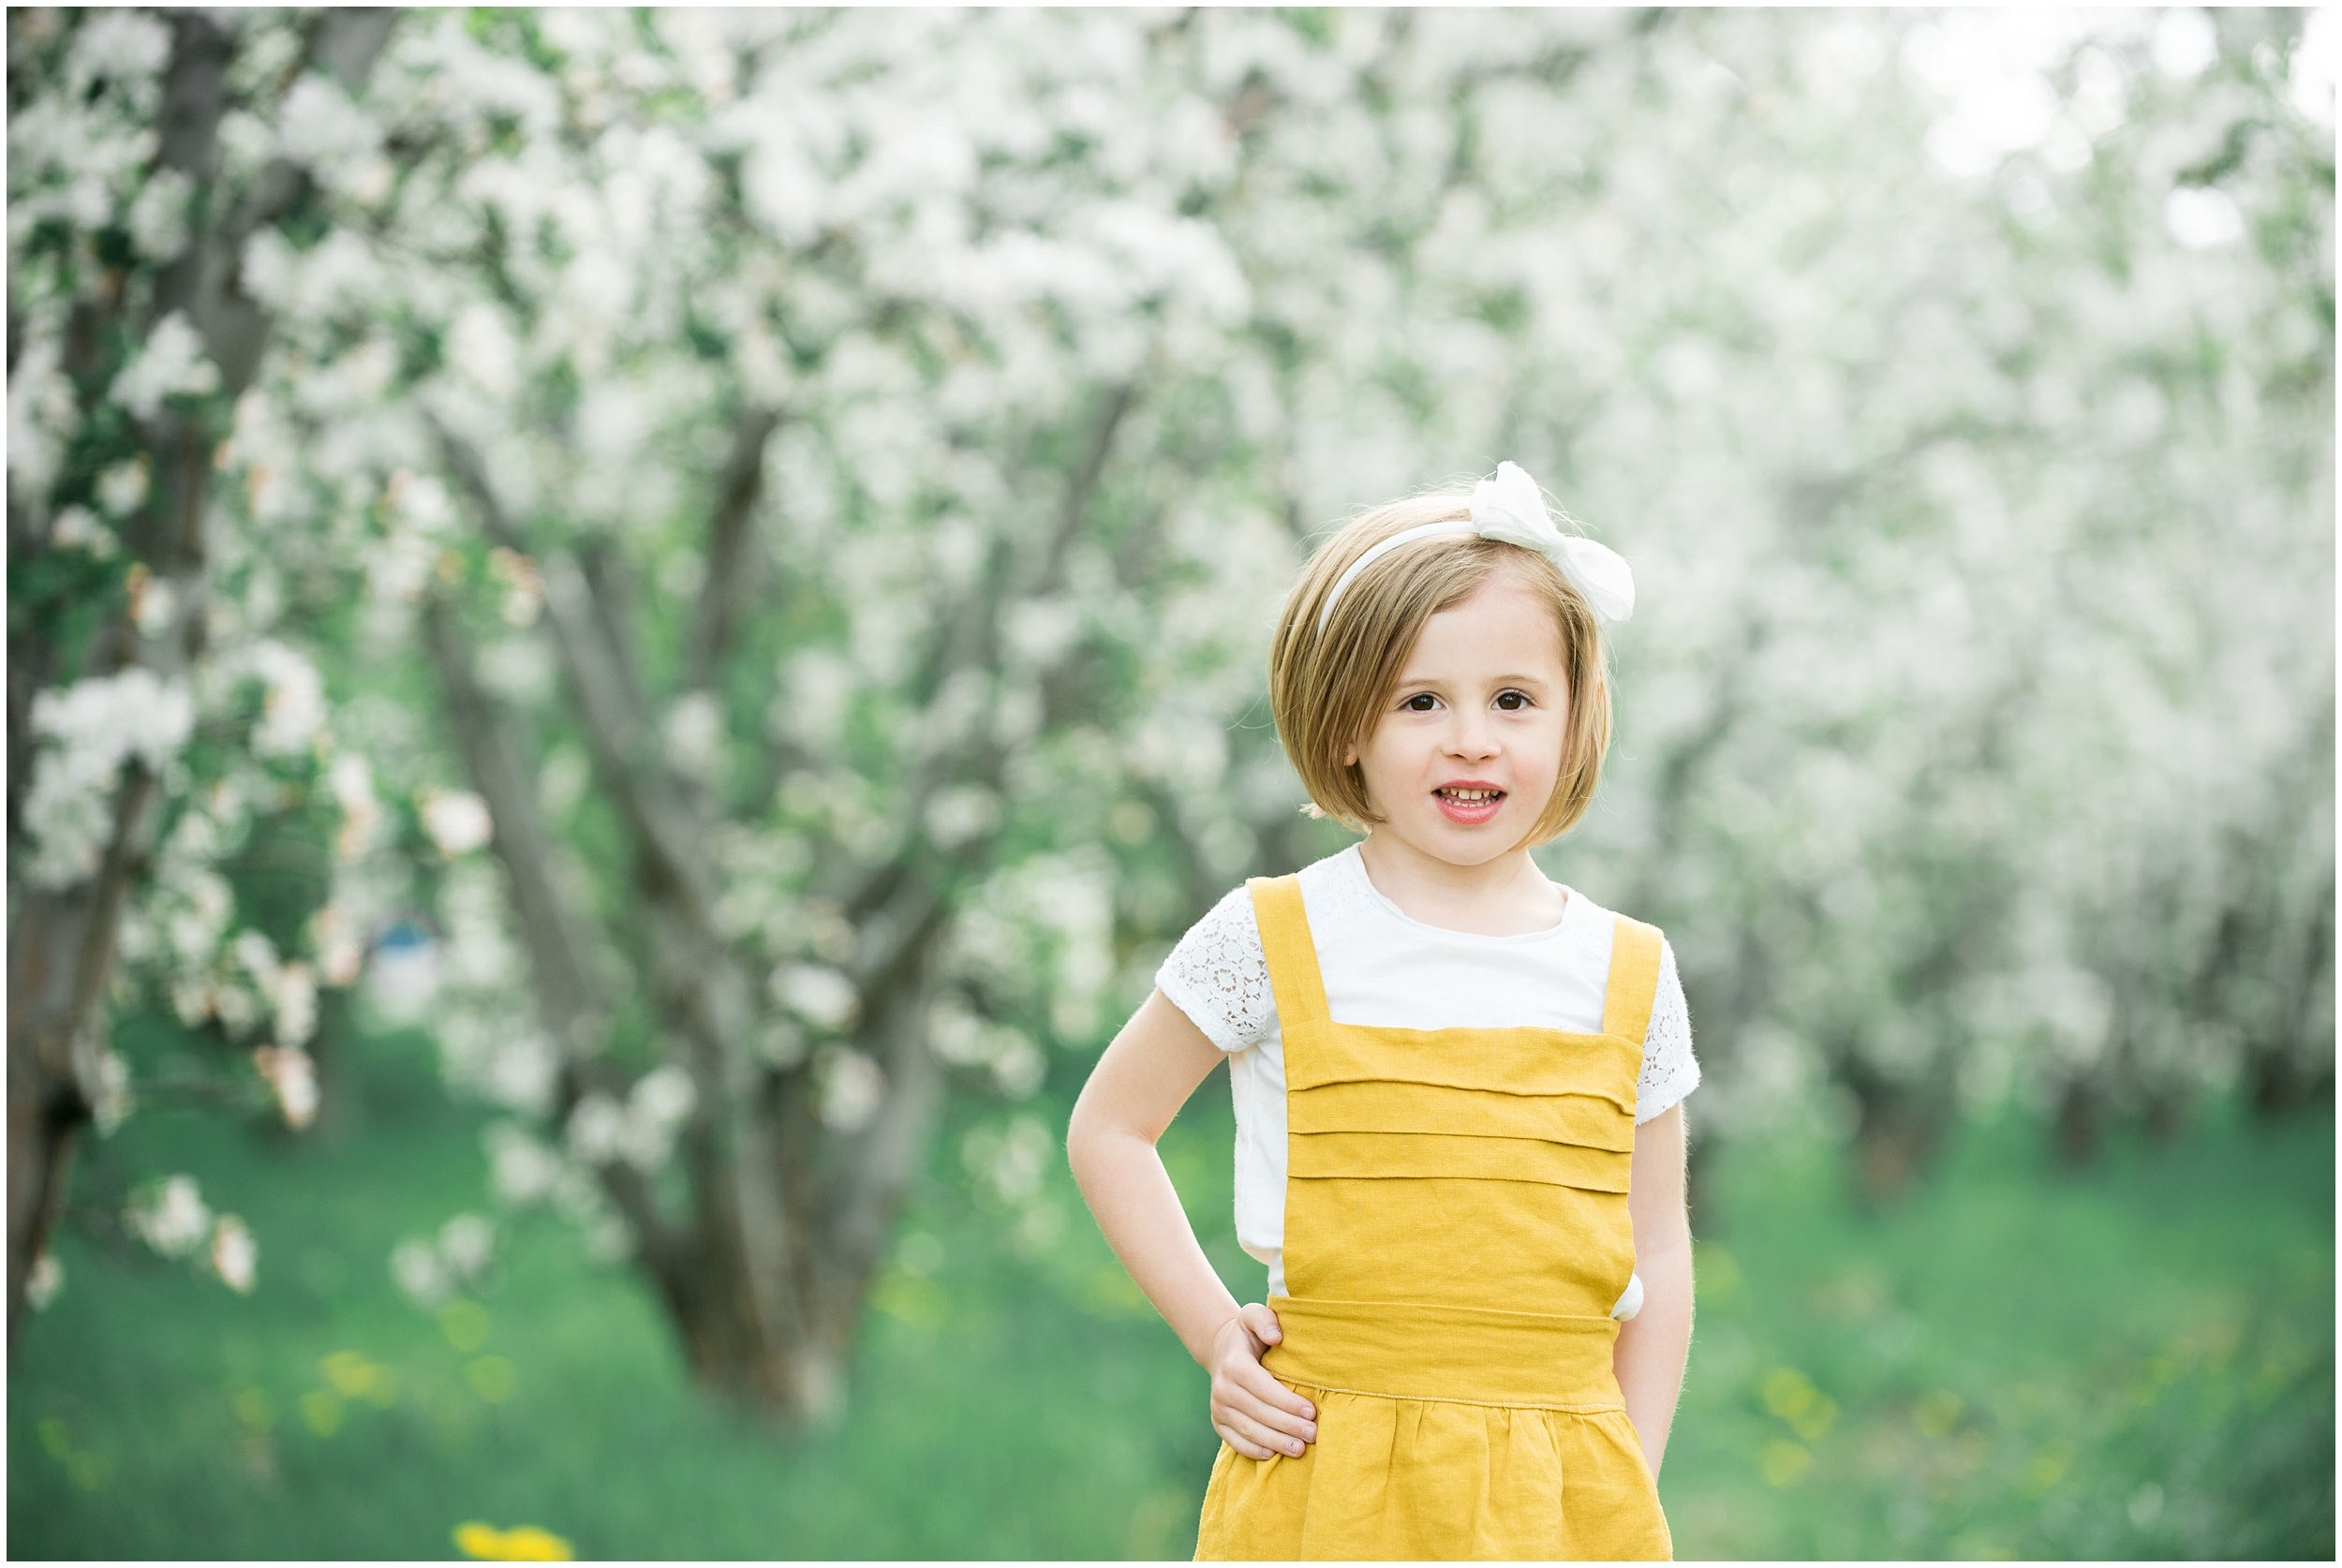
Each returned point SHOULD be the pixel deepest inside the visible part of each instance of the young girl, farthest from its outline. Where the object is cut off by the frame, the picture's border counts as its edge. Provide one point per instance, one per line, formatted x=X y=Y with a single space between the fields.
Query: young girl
x=1459 y=1148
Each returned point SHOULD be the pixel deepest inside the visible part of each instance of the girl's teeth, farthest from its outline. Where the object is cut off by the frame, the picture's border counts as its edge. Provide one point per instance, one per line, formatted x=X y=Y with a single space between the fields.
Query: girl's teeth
x=1471 y=797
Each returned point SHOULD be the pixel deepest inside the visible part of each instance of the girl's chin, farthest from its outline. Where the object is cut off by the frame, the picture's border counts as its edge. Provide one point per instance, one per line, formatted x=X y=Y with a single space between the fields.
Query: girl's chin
x=1435 y=836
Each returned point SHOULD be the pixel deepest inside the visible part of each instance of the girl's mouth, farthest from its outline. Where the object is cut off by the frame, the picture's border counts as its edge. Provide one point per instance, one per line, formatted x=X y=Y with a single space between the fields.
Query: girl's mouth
x=1470 y=805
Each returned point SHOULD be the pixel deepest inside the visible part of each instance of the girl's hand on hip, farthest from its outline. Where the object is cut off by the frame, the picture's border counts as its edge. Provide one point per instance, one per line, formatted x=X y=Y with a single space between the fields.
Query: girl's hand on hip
x=1259 y=1416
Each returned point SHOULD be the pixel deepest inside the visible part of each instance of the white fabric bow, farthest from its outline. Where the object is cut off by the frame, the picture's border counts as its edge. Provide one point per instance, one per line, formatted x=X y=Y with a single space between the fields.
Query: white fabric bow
x=1510 y=507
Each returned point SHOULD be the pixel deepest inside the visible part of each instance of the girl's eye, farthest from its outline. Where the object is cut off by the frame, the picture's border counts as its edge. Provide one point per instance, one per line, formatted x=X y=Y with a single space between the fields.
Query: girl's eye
x=1422 y=702
x=1512 y=701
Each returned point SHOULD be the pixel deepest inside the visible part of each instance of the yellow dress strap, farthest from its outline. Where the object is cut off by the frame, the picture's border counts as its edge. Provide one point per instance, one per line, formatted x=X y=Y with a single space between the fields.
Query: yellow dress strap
x=1634 y=981
x=1292 y=954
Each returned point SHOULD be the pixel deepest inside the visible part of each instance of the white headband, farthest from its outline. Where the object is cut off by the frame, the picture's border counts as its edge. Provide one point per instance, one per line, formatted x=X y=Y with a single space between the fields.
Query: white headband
x=1510 y=507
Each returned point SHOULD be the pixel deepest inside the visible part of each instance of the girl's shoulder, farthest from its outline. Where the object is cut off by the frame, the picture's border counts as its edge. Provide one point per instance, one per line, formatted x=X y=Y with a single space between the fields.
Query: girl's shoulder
x=1337 y=889
x=1332 y=889
x=1218 y=974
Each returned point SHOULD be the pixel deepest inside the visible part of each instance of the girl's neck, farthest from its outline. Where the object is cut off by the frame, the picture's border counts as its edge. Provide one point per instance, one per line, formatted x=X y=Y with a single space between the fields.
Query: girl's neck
x=1507 y=897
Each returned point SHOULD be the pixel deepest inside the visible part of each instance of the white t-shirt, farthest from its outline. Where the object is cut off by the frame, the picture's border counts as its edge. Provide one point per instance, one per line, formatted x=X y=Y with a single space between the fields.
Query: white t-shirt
x=1382 y=969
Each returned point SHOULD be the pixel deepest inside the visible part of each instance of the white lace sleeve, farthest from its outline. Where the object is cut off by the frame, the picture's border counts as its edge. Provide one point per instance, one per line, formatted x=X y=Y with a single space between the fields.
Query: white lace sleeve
x=1219 y=976
x=1669 y=1071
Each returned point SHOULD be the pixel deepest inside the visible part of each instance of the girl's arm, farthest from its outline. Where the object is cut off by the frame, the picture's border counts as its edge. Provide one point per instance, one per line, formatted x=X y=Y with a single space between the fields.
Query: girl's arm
x=1137 y=1086
x=1654 y=1344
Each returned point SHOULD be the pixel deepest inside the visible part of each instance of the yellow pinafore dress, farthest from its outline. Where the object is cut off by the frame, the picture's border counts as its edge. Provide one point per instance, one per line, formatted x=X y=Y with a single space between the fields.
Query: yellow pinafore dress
x=1456 y=1234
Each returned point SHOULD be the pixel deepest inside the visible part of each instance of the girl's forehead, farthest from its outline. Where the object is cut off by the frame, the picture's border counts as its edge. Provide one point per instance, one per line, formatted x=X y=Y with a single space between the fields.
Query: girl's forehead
x=1502 y=617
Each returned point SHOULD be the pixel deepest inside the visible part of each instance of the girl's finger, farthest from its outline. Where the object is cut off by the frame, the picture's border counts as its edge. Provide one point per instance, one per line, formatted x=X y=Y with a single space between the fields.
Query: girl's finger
x=1262 y=1384
x=1250 y=1450
x=1229 y=1398
x=1284 y=1423
x=1263 y=1324
x=1255 y=1433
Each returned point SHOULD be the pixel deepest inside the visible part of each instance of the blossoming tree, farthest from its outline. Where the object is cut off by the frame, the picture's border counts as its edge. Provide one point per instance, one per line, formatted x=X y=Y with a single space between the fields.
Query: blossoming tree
x=802 y=499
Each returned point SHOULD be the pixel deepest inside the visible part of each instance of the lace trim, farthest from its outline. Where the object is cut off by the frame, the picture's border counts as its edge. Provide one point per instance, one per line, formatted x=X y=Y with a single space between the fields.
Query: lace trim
x=1669 y=1071
x=1219 y=975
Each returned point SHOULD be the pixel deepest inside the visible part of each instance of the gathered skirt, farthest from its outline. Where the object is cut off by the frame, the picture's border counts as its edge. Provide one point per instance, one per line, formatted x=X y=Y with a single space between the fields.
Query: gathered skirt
x=1434 y=1479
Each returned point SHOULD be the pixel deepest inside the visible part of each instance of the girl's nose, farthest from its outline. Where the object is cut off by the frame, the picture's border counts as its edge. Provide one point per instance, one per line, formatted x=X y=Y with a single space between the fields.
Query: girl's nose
x=1471 y=736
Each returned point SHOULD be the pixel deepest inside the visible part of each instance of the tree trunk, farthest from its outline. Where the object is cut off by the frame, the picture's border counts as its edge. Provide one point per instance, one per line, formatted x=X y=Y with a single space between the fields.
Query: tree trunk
x=2291 y=1066
x=2080 y=1124
x=1895 y=1134
x=796 y=1376
x=798 y=1385
x=765 y=1285
x=60 y=955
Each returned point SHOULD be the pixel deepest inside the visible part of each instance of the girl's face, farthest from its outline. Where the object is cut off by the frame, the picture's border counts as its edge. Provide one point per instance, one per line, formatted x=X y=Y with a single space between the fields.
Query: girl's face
x=1464 y=754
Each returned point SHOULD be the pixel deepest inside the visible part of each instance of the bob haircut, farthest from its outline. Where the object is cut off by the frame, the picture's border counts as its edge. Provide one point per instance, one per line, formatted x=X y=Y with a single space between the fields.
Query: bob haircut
x=1327 y=687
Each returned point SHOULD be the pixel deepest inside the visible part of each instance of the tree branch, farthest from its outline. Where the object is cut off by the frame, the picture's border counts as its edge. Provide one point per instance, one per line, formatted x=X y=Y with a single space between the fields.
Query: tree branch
x=609 y=702
x=731 y=557
x=880 y=1159
x=568 y=997
x=1082 y=486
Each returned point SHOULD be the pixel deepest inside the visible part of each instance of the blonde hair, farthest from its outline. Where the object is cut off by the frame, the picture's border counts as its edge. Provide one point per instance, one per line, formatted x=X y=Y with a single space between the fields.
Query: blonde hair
x=1327 y=686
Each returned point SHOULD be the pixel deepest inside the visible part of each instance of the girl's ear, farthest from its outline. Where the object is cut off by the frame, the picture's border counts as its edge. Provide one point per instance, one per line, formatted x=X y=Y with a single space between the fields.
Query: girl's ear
x=1350 y=755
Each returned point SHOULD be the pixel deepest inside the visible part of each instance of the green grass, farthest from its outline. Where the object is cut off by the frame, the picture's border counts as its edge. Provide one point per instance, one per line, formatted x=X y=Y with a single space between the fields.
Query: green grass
x=2135 y=1362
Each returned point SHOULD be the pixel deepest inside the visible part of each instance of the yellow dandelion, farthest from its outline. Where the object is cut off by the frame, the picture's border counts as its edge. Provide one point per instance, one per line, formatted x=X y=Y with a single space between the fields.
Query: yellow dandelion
x=485 y=1542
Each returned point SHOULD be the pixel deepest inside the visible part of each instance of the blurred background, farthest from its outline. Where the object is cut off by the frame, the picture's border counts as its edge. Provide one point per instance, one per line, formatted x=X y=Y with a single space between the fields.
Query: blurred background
x=629 y=634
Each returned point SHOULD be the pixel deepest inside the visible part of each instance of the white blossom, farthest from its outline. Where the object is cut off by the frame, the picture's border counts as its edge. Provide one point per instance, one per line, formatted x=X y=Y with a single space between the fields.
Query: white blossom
x=351 y=780
x=955 y=1033
x=118 y=45
x=2310 y=76
x=523 y=1070
x=419 y=1274
x=340 y=945
x=235 y=1257
x=112 y=1100
x=693 y=731
x=2202 y=216
x=153 y=606
x=850 y=1086
x=820 y=995
x=319 y=123
x=121 y=488
x=778 y=1043
x=962 y=813
x=656 y=1108
x=158 y=216
x=78 y=528
x=521 y=1170
x=171 y=1217
x=597 y=1130
x=457 y=819
x=467 y=1245
x=169 y=363
x=93 y=726
x=41 y=414
x=44 y=1283
x=293 y=708
x=291 y=1075
x=293 y=1000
